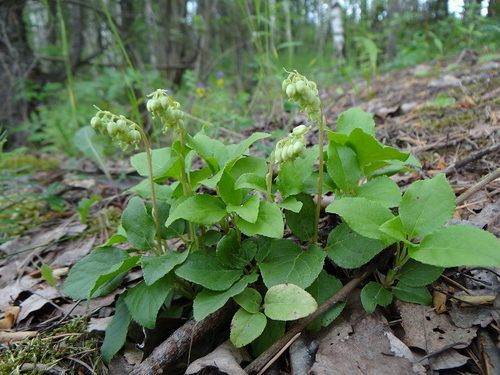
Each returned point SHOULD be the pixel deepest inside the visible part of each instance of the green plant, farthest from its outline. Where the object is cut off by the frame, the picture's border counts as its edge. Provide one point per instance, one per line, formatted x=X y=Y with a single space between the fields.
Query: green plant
x=231 y=212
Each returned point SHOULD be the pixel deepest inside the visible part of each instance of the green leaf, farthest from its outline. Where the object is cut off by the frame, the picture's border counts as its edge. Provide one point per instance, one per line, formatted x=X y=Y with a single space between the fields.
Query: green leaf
x=243 y=146
x=302 y=223
x=414 y=273
x=48 y=275
x=250 y=299
x=251 y=181
x=382 y=190
x=363 y=216
x=200 y=209
x=459 y=245
x=349 y=249
x=233 y=255
x=413 y=294
x=248 y=211
x=113 y=276
x=288 y=263
x=293 y=174
x=84 y=274
x=155 y=267
x=208 y=301
x=371 y=153
x=291 y=204
x=84 y=206
x=426 y=206
x=116 y=333
x=175 y=229
x=355 y=118
x=374 y=294
x=246 y=327
x=138 y=225
x=206 y=270
x=227 y=190
x=288 y=302
x=162 y=161
x=269 y=222
x=323 y=288
x=274 y=330
x=92 y=145
x=163 y=192
x=213 y=151
x=343 y=167
x=394 y=228
x=144 y=301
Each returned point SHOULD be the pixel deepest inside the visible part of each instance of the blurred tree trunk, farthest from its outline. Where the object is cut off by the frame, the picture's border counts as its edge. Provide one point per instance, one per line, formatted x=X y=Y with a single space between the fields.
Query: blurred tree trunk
x=17 y=62
x=288 y=29
x=173 y=17
x=337 y=29
x=128 y=14
x=393 y=10
x=494 y=8
x=206 y=10
x=75 y=26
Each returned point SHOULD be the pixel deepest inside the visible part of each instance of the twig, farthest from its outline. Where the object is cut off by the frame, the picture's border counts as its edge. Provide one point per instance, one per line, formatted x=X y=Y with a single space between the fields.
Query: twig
x=300 y=325
x=472 y=157
x=269 y=364
x=173 y=348
x=478 y=186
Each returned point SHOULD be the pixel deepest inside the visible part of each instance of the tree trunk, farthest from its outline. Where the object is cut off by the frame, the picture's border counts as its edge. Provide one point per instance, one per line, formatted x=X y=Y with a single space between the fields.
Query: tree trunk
x=206 y=9
x=337 y=29
x=288 y=30
x=494 y=8
x=16 y=62
x=393 y=10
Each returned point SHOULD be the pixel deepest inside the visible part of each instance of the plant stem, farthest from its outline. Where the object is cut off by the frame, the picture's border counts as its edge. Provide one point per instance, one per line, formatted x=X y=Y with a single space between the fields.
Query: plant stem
x=269 y=178
x=149 y=158
x=185 y=181
x=321 y=127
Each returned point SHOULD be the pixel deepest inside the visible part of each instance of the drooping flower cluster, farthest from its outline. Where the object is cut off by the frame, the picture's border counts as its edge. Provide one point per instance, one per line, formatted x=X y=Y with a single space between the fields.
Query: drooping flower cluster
x=291 y=147
x=304 y=92
x=166 y=109
x=118 y=127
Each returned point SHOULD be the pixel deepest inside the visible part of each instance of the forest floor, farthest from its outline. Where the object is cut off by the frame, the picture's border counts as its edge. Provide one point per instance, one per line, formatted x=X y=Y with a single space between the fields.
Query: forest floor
x=446 y=112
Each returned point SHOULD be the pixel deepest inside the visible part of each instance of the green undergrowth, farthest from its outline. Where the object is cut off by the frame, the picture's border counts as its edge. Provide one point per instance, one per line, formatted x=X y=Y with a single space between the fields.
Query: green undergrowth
x=63 y=347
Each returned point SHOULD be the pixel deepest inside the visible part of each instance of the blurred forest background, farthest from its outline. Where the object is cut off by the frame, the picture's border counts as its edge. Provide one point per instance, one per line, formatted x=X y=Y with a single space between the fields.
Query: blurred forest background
x=223 y=59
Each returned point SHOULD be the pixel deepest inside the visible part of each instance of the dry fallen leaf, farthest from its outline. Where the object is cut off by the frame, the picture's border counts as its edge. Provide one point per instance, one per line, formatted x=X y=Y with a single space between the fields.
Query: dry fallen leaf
x=226 y=358
x=439 y=302
x=10 y=337
x=9 y=317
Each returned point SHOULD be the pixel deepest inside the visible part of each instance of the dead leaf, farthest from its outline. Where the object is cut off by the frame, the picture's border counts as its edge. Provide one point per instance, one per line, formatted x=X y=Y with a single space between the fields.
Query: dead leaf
x=9 y=317
x=37 y=300
x=439 y=302
x=98 y=324
x=426 y=330
x=448 y=359
x=363 y=342
x=226 y=358
x=73 y=252
x=400 y=349
x=9 y=293
x=466 y=317
x=488 y=218
x=444 y=82
x=10 y=337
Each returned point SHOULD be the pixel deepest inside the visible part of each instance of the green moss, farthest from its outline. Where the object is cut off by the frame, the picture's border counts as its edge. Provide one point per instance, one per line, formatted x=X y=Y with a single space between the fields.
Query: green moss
x=27 y=163
x=49 y=349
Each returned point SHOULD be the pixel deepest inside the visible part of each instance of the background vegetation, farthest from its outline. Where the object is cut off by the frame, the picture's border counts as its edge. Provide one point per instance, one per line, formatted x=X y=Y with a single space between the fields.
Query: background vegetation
x=222 y=58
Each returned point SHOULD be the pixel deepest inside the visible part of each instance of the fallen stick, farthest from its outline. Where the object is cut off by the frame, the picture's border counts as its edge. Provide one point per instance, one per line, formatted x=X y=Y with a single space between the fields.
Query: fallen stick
x=472 y=157
x=300 y=325
x=478 y=186
x=173 y=348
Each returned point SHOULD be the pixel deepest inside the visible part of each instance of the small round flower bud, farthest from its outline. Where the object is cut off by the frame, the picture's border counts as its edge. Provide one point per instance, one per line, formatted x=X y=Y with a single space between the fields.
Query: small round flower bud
x=135 y=135
x=300 y=86
x=290 y=90
x=300 y=130
x=285 y=84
